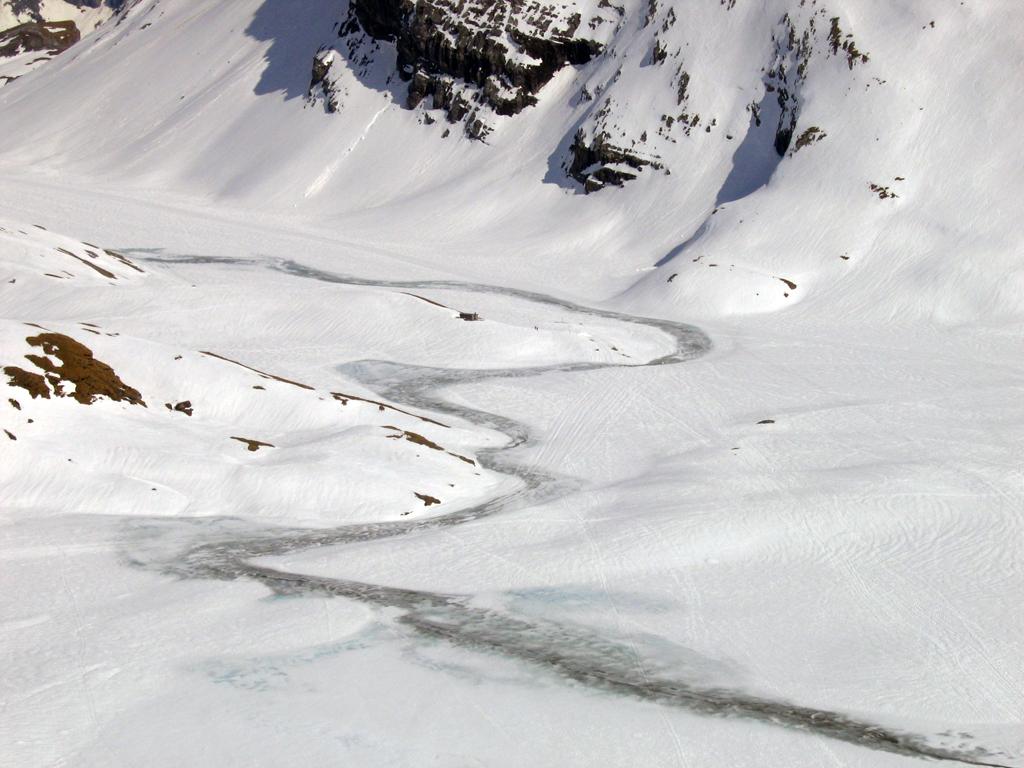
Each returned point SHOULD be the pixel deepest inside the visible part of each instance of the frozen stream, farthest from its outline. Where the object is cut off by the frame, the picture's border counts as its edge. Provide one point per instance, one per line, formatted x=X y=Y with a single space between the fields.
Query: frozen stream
x=230 y=549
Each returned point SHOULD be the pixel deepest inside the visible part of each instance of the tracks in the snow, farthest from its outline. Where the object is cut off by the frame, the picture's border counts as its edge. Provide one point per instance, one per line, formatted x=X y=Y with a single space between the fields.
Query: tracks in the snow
x=228 y=552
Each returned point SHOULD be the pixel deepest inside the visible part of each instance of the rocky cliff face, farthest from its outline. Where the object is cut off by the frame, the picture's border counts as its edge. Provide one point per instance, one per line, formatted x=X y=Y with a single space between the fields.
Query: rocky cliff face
x=50 y=36
x=38 y=11
x=472 y=59
x=597 y=162
x=32 y=31
x=480 y=61
x=614 y=142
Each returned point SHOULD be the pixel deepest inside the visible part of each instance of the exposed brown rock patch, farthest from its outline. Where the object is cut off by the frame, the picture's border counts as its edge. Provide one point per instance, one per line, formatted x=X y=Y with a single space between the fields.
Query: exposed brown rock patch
x=253 y=445
x=790 y=283
x=884 y=193
x=342 y=398
x=412 y=437
x=418 y=439
x=124 y=260
x=428 y=501
x=33 y=383
x=76 y=365
x=424 y=298
x=263 y=374
x=51 y=36
x=101 y=270
x=185 y=406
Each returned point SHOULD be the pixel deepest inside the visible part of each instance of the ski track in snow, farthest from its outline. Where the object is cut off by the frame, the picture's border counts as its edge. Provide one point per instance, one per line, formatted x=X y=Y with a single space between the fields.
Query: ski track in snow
x=321 y=181
x=226 y=548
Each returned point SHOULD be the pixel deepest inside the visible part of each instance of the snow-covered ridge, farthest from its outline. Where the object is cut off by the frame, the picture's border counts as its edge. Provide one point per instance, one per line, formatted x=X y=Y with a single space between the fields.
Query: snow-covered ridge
x=690 y=104
x=352 y=437
x=32 y=32
x=473 y=61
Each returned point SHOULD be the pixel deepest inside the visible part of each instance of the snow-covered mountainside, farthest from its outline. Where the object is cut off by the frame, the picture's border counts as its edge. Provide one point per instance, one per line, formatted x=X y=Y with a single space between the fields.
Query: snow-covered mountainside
x=694 y=99
x=32 y=32
x=479 y=382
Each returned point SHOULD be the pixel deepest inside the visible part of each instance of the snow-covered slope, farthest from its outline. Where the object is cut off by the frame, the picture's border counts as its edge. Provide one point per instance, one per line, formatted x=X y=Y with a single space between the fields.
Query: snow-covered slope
x=351 y=410
x=210 y=98
x=33 y=32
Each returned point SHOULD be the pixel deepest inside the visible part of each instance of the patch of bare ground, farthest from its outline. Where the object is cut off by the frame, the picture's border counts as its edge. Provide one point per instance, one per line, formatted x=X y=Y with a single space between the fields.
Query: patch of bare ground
x=257 y=371
x=884 y=193
x=412 y=437
x=124 y=260
x=418 y=439
x=811 y=136
x=33 y=383
x=428 y=501
x=76 y=365
x=424 y=298
x=10 y=435
x=185 y=406
x=342 y=398
x=461 y=315
x=101 y=270
x=253 y=445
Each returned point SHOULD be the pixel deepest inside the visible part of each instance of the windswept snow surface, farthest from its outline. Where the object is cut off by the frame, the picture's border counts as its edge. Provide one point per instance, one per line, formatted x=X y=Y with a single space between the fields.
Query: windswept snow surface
x=727 y=472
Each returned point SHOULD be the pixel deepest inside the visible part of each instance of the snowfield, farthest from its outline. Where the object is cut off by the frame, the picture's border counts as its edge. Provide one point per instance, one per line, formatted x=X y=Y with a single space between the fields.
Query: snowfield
x=346 y=438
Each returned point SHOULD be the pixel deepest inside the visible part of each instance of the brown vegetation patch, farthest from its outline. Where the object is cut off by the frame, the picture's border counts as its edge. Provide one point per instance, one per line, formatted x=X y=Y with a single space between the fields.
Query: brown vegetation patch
x=462 y=315
x=253 y=445
x=101 y=270
x=264 y=374
x=412 y=437
x=33 y=383
x=342 y=398
x=424 y=298
x=124 y=260
x=91 y=378
x=790 y=283
x=417 y=439
x=428 y=501
x=460 y=457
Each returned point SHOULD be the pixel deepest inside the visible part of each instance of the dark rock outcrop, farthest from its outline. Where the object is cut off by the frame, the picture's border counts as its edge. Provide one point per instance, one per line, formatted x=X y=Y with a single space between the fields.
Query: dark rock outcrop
x=320 y=84
x=50 y=36
x=598 y=163
x=34 y=8
x=505 y=51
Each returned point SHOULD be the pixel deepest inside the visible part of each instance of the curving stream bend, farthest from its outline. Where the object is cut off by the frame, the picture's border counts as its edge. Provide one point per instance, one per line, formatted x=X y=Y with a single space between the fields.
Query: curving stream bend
x=227 y=549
